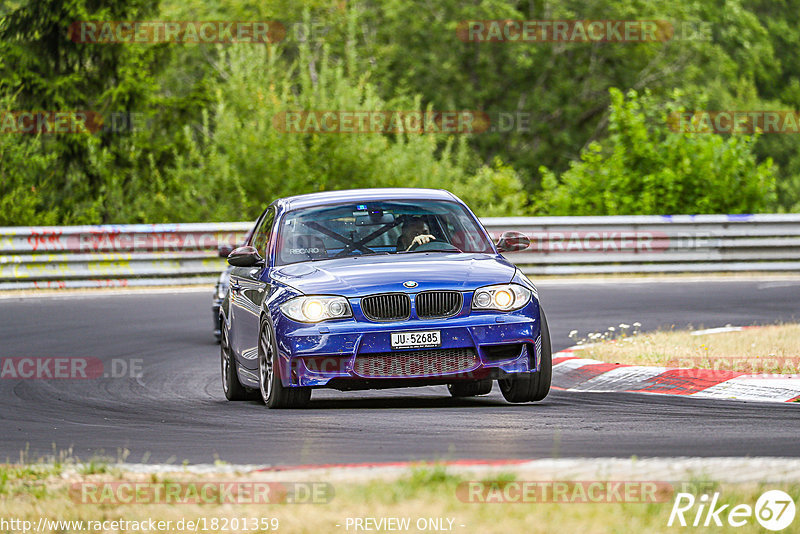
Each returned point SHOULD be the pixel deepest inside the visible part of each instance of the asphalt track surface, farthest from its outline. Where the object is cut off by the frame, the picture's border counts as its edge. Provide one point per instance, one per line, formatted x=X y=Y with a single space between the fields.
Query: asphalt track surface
x=176 y=411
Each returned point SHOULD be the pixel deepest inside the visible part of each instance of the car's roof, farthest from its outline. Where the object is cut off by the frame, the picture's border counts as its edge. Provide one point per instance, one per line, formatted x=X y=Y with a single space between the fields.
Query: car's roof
x=363 y=195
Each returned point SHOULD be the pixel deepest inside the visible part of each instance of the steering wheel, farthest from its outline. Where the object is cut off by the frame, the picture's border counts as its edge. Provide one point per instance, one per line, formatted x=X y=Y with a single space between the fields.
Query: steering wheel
x=435 y=245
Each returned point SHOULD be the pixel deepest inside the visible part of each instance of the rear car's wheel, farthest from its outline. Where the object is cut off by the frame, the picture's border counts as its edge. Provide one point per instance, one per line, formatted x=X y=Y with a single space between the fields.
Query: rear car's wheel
x=217 y=323
x=273 y=392
x=470 y=389
x=234 y=390
x=529 y=387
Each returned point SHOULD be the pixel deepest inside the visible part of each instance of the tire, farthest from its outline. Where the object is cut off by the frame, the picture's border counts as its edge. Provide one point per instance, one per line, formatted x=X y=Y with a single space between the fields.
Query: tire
x=215 y=312
x=531 y=387
x=470 y=389
x=233 y=389
x=273 y=392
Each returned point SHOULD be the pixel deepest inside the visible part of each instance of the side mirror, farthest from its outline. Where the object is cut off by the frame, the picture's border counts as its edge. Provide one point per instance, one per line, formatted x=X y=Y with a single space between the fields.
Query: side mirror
x=246 y=256
x=224 y=250
x=512 y=242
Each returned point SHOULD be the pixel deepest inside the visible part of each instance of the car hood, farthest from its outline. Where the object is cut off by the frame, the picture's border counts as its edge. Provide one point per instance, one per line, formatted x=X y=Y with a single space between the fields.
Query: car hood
x=364 y=275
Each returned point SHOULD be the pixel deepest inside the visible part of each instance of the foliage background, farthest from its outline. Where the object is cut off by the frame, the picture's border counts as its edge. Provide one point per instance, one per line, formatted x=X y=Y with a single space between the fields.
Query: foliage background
x=203 y=146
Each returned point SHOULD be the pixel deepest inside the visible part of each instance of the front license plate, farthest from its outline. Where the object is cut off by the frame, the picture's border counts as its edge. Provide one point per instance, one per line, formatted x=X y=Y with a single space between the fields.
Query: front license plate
x=414 y=340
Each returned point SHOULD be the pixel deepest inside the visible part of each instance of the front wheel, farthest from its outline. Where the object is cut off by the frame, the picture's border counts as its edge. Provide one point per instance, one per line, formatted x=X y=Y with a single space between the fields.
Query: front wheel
x=273 y=392
x=530 y=387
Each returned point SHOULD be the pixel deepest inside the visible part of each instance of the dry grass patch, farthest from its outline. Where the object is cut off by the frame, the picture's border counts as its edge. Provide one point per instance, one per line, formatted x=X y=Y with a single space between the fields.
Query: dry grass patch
x=768 y=349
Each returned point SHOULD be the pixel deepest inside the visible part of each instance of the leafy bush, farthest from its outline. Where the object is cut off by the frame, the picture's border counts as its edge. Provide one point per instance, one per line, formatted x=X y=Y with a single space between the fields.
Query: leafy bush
x=23 y=174
x=643 y=167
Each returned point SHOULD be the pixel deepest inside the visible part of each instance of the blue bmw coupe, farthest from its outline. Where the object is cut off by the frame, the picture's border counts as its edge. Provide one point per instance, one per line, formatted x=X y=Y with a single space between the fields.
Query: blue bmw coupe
x=379 y=288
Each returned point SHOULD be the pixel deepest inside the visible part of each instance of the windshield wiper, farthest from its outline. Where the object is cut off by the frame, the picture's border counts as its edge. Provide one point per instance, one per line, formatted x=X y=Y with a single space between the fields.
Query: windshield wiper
x=427 y=250
x=373 y=253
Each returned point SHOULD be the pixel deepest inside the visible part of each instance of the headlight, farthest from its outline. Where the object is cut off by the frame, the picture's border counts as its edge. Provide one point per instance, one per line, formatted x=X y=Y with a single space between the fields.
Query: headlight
x=503 y=297
x=316 y=309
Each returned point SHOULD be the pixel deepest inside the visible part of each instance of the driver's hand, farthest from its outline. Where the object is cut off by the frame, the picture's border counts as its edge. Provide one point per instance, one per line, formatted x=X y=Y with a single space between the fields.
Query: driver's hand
x=420 y=240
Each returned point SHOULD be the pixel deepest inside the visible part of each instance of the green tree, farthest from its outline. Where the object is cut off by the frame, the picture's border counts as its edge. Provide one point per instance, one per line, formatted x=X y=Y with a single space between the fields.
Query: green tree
x=88 y=177
x=644 y=167
x=245 y=160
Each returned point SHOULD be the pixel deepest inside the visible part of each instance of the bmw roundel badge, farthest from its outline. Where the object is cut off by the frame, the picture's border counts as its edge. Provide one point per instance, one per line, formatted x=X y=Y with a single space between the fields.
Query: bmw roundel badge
x=410 y=284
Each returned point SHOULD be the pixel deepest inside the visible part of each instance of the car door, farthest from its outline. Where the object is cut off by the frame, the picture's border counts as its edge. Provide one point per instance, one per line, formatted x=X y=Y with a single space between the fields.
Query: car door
x=247 y=293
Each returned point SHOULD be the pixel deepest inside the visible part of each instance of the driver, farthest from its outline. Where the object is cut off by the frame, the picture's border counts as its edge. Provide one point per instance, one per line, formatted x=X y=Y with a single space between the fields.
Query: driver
x=415 y=232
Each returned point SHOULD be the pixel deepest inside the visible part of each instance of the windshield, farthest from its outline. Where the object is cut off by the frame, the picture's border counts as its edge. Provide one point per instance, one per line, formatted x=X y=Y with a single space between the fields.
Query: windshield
x=386 y=227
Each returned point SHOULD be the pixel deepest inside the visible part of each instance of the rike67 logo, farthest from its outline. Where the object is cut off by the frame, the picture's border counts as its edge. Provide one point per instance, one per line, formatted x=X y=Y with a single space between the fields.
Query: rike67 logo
x=774 y=510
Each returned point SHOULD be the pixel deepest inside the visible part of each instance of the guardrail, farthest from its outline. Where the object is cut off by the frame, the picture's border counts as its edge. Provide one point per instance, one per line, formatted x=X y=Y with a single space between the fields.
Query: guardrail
x=114 y=255
x=168 y=254
x=655 y=243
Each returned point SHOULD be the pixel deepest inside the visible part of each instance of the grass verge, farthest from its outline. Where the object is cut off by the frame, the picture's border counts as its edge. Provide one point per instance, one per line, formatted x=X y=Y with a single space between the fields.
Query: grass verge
x=423 y=495
x=768 y=349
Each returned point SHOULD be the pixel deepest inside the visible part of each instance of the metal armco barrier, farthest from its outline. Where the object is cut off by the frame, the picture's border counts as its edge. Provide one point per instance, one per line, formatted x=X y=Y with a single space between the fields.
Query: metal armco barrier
x=114 y=255
x=655 y=243
x=164 y=254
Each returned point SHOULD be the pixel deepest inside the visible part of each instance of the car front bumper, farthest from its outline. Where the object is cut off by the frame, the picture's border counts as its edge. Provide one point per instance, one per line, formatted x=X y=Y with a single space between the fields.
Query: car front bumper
x=473 y=346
